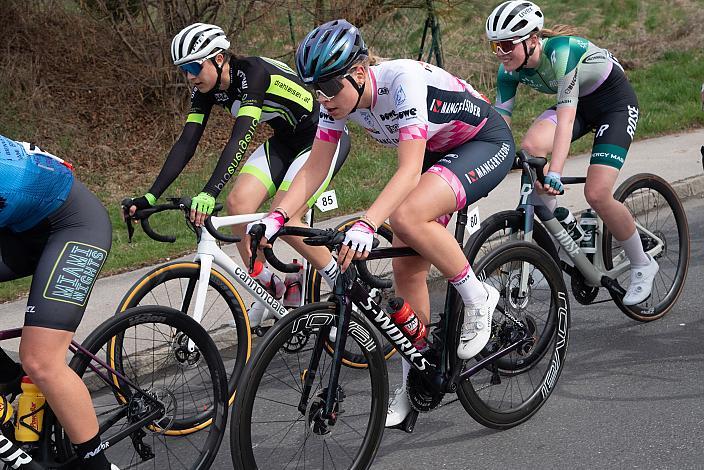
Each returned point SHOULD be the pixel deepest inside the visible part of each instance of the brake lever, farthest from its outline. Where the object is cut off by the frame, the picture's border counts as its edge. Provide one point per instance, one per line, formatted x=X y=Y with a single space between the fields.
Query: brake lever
x=126 y=204
x=256 y=233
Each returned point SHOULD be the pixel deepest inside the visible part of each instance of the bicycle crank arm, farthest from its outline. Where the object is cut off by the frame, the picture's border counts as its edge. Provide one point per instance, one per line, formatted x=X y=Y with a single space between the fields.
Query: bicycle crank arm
x=613 y=286
x=467 y=373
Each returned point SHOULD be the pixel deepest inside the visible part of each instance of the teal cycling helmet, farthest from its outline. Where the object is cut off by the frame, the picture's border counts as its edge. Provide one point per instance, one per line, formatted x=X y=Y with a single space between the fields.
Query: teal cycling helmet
x=329 y=51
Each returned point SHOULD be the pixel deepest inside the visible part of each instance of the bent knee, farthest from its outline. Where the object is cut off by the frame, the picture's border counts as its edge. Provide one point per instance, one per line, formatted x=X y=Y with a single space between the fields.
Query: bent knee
x=597 y=197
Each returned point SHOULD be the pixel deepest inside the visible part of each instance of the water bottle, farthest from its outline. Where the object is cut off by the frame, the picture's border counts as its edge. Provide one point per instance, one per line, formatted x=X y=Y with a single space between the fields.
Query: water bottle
x=30 y=412
x=567 y=220
x=405 y=318
x=588 y=224
x=6 y=411
x=292 y=281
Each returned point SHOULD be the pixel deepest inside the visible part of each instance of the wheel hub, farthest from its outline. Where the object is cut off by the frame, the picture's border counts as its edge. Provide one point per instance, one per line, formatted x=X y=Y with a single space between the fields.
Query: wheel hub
x=187 y=358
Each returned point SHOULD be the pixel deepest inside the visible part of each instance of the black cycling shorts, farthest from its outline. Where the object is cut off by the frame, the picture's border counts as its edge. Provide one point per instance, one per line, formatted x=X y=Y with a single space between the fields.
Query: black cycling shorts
x=611 y=112
x=476 y=167
x=65 y=253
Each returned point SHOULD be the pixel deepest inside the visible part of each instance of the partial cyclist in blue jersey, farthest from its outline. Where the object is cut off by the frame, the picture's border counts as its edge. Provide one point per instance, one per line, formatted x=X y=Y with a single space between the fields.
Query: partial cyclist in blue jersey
x=593 y=95
x=54 y=229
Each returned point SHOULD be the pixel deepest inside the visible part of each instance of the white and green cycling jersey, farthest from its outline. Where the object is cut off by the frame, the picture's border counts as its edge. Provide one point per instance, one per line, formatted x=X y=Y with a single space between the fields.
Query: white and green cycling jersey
x=570 y=67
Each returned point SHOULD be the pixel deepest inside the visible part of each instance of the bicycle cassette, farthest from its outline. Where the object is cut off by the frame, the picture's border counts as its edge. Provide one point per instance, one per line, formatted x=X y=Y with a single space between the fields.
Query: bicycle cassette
x=420 y=395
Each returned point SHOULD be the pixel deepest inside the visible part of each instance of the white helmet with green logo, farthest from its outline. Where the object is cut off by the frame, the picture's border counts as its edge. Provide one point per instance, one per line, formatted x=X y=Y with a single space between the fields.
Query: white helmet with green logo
x=514 y=19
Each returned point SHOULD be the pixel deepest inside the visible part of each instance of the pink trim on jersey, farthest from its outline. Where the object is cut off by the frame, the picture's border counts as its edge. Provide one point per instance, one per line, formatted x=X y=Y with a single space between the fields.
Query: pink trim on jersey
x=374 y=89
x=453 y=135
x=413 y=132
x=591 y=90
x=460 y=276
x=444 y=219
x=454 y=182
x=328 y=135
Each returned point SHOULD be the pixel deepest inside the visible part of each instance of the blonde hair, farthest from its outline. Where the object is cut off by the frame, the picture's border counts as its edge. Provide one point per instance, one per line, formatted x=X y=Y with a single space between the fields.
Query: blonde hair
x=559 y=30
x=371 y=59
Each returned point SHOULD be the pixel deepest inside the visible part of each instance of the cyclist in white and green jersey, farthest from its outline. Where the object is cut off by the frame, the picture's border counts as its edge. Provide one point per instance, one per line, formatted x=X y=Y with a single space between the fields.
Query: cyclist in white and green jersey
x=593 y=94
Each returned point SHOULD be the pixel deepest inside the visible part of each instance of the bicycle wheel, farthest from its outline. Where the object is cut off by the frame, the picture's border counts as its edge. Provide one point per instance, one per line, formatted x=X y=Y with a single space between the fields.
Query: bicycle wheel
x=509 y=391
x=166 y=377
x=272 y=429
x=503 y=227
x=173 y=285
x=656 y=207
x=380 y=269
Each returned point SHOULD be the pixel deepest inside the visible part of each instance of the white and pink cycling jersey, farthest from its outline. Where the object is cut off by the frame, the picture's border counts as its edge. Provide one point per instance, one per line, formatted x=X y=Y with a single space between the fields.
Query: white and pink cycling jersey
x=415 y=100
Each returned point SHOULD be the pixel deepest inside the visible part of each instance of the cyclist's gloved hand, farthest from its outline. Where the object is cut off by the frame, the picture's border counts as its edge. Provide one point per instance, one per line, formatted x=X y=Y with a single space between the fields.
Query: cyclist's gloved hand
x=142 y=202
x=202 y=206
x=272 y=223
x=358 y=242
x=552 y=180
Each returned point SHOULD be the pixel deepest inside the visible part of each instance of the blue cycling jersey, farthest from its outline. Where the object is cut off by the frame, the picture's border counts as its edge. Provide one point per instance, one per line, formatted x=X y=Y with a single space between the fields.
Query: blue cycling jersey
x=33 y=184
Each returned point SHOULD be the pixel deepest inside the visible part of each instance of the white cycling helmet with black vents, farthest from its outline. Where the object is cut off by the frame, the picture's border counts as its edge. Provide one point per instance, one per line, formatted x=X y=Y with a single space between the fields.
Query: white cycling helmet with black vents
x=514 y=19
x=197 y=42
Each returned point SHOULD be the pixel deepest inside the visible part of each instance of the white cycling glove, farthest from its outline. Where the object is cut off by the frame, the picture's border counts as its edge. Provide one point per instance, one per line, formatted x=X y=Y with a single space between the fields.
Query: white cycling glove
x=359 y=237
x=273 y=223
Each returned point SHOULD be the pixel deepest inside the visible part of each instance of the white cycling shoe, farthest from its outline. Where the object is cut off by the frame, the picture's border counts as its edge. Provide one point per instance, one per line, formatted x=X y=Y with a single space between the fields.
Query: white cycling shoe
x=399 y=407
x=642 y=278
x=476 y=328
x=113 y=467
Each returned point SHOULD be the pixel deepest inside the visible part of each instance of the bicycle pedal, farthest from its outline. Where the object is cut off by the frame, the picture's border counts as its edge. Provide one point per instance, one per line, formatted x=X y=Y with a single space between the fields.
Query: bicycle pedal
x=409 y=422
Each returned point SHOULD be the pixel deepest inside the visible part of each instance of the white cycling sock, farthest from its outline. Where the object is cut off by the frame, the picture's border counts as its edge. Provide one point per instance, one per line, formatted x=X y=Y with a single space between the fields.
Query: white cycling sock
x=633 y=247
x=550 y=201
x=330 y=272
x=469 y=287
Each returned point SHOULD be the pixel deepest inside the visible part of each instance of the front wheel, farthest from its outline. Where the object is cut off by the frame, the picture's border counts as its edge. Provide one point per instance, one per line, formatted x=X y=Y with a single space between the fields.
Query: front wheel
x=654 y=206
x=534 y=300
x=277 y=418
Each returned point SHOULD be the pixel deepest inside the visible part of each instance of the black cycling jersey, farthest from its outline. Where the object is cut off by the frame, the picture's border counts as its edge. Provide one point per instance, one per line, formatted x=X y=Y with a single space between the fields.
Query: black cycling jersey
x=261 y=90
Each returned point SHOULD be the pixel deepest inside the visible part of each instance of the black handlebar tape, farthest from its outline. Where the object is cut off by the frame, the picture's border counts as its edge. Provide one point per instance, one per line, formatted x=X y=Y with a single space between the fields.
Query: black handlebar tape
x=219 y=235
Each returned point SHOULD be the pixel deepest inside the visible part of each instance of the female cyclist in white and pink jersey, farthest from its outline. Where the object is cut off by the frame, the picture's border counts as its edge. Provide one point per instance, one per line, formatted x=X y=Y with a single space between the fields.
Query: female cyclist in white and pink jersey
x=453 y=148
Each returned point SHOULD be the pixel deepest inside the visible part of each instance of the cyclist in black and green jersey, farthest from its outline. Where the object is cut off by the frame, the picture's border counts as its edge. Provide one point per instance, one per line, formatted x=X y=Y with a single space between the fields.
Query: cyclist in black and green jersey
x=253 y=90
x=593 y=94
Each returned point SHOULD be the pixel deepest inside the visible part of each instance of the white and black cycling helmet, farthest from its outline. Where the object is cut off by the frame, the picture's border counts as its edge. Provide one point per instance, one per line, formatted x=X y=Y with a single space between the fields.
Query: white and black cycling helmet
x=514 y=19
x=198 y=41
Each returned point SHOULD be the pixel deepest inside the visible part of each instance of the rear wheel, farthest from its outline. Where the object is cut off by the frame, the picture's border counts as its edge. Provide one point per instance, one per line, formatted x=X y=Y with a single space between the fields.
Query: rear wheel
x=656 y=208
x=510 y=390
x=167 y=382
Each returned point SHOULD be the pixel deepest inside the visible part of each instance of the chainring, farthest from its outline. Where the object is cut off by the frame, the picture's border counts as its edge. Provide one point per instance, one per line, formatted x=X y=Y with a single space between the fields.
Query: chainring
x=421 y=397
x=583 y=293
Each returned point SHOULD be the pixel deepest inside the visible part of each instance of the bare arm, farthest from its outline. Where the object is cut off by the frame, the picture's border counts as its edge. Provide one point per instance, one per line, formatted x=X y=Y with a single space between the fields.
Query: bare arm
x=563 y=137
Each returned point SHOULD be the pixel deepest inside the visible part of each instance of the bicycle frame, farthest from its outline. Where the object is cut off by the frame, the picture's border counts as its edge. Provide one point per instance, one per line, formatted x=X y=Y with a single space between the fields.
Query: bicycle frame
x=76 y=349
x=209 y=253
x=595 y=274
x=353 y=295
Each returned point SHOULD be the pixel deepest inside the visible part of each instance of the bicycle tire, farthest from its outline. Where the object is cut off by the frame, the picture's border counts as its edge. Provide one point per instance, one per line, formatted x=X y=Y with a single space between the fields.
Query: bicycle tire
x=649 y=310
x=214 y=393
x=262 y=394
x=503 y=410
x=154 y=287
x=511 y=221
x=314 y=295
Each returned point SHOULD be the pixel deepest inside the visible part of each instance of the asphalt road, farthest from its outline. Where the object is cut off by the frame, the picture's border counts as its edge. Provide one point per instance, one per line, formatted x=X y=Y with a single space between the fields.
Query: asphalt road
x=631 y=396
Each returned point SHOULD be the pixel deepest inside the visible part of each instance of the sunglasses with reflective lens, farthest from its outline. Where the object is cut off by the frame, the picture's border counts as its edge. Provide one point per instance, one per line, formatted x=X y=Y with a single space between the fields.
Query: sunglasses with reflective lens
x=329 y=88
x=506 y=46
x=194 y=68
